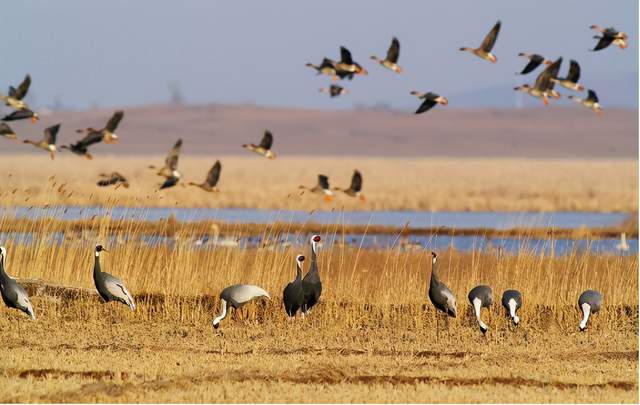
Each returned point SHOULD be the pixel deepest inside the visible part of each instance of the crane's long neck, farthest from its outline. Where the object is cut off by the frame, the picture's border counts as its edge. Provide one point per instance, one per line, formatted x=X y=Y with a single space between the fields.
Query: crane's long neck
x=298 y=273
x=434 y=275
x=314 y=259
x=3 y=274
x=586 y=310
x=223 y=315
x=96 y=266
x=477 y=304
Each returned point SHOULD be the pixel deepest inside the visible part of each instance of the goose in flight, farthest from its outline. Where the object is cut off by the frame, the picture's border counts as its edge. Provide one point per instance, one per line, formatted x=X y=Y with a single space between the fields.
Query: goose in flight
x=393 y=53
x=237 y=296
x=109 y=287
x=347 y=65
x=171 y=161
x=108 y=133
x=7 y=132
x=211 y=181
x=81 y=147
x=591 y=102
x=321 y=188
x=21 y=115
x=535 y=60
x=543 y=87
x=355 y=189
x=13 y=294
x=111 y=179
x=172 y=180
x=48 y=142
x=325 y=68
x=609 y=36
x=571 y=81
x=484 y=51
x=16 y=96
x=334 y=90
x=264 y=148
x=430 y=100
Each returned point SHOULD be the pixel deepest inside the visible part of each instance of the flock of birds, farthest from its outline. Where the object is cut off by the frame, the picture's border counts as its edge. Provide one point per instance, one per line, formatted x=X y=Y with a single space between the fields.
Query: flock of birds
x=301 y=294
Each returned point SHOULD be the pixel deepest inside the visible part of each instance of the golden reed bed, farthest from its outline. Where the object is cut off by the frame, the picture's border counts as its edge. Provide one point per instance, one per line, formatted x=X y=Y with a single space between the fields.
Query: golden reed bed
x=389 y=184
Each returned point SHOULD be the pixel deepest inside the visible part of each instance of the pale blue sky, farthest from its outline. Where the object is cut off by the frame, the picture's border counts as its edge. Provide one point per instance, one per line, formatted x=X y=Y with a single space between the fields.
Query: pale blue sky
x=123 y=53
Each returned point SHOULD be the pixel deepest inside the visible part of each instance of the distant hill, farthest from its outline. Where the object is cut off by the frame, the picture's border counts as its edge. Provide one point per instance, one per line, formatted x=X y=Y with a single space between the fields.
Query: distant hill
x=552 y=132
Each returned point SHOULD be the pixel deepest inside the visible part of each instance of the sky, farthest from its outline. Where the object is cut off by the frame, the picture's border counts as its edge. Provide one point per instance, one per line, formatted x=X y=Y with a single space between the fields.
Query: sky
x=83 y=54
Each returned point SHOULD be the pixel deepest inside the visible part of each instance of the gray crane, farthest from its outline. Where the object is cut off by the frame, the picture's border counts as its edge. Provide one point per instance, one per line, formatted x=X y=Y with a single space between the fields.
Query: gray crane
x=236 y=296
x=512 y=301
x=311 y=284
x=481 y=297
x=440 y=295
x=589 y=302
x=109 y=287
x=293 y=295
x=13 y=294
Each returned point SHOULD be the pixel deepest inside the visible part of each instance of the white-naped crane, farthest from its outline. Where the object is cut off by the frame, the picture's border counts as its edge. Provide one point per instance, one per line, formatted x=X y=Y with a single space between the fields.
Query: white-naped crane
x=440 y=295
x=311 y=283
x=512 y=301
x=589 y=302
x=236 y=296
x=481 y=297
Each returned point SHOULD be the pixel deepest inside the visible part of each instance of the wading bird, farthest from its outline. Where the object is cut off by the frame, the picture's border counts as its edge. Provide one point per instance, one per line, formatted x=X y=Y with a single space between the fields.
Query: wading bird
x=7 y=132
x=591 y=102
x=48 y=142
x=211 y=181
x=334 y=90
x=236 y=296
x=311 y=283
x=543 y=87
x=21 y=115
x=393 y=53
x=484 y=51
x=512 y=301
x=430 y=100
x=355 y=189
x=609 y=36
x=108 y=133
x=13 y=294
x=321 y=188
x=481 y=297
x=264 y=148
x=589 y=302
x=325 y=68
x=111 y=179
x=109 y=287
x=440 y=295
x=16 y=96
x=293 y=295
x=171 y=161
x=571 y=81
x=535 y=60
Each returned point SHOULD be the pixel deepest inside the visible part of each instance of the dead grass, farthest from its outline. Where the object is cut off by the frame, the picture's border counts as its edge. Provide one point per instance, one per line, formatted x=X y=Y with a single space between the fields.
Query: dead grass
x=389 y=184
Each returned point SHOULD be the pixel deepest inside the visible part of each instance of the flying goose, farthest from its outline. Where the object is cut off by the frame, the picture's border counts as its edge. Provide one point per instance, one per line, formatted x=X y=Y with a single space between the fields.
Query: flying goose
x=81 y=147
x=325 y=68
x=211 y=181
x=512 y=301
x=293 y=295
x=543 y=87
x=589 y=302
x=7 y=132
x=109 y=287
x=237 y=295
x=430 y=100
x=21 y=115
x=321 y=188
x=481 y=297
x=108 y=133
x=571 y=81
x=171 y=161
x=590 y=102
x=311 y=283
x=15 y=97
x=111 y=179
x=334 y=90
x=48 y=142
x=347 y=64
x=484 y=51
x=623 y=246
x=391 y=61
x=264 y=148
x=535 y=60
x=609 y=36
x=13 y=294
x=171 y=180
x=440 y=295
x=355 y=188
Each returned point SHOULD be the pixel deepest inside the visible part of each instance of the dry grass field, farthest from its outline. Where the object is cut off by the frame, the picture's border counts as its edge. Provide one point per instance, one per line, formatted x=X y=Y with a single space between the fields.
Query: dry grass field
x=389 y=184
x=372 y=339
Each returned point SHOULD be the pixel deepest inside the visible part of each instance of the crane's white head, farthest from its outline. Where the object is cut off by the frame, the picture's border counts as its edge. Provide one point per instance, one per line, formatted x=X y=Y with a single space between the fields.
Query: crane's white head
x=315 y=239
x=300 y=259
x=434 y=257
x=3 y=251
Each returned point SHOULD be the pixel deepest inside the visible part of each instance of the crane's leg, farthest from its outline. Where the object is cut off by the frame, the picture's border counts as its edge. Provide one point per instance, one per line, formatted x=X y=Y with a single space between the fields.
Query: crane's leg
x=437 y=328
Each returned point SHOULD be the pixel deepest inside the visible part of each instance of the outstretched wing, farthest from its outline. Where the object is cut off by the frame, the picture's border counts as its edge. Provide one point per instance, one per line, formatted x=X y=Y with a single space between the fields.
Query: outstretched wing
x=51 y=133
x=574 y=72
x=592 y=96
x=214 y=174
x=6 y=130
x=394 y=51
x=543 y=81
x=22 y=90
x=169 y=182
x=114 y=121
x=323 y=181
x=534 y=62
x=18 y=115
x=171 y=160
x=356 y=181
x=426 y=105
x=491 y=37
x=267 y=140
x=345 y=56
x=604 y=42
x=89 y=139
